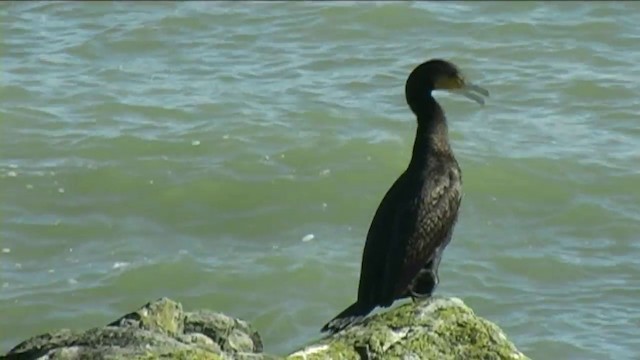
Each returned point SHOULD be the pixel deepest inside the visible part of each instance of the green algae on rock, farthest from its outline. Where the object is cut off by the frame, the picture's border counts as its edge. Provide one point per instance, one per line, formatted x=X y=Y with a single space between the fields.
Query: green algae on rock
x=158 y=330
x=437 y=328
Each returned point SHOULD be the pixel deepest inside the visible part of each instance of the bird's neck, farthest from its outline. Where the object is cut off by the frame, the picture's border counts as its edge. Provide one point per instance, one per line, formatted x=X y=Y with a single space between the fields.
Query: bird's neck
x=432 y=137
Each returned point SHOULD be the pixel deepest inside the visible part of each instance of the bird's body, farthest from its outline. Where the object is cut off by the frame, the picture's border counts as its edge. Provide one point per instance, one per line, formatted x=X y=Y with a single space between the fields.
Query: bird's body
x=415 y=219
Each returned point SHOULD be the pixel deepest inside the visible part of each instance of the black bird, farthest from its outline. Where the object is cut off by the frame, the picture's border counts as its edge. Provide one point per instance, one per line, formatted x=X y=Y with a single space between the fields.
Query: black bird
x=416 y=217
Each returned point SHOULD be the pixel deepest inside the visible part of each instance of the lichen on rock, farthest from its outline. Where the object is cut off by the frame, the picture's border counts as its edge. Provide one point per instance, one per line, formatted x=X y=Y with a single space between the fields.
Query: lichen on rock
x=158 y=330
x=164 y=315
x=232 y=335
x=437 y=328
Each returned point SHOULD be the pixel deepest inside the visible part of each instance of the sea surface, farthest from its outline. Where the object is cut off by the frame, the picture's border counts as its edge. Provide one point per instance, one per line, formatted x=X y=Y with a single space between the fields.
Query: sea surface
x=231 y=156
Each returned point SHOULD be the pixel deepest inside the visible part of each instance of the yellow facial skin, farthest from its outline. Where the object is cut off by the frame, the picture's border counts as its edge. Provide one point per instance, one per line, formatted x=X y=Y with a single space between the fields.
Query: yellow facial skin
x=458 y=84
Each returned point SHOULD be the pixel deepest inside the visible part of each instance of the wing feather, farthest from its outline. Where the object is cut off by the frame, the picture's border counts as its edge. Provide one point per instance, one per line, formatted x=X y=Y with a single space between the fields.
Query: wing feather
x=436 y=213
x=378 y=244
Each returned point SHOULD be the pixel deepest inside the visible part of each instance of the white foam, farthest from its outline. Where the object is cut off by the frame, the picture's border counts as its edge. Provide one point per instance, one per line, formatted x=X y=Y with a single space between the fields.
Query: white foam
x=118 y=264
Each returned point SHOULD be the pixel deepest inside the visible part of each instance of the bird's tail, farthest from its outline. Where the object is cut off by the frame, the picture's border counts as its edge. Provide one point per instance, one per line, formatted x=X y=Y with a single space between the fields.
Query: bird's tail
x=348 y=316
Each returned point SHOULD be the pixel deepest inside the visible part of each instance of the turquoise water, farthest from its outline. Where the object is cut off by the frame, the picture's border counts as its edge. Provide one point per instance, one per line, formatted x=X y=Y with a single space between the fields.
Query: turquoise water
x=187 y=149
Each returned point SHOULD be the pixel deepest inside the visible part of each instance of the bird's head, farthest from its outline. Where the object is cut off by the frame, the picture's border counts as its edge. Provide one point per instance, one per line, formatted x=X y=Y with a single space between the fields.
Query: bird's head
x=437 y=74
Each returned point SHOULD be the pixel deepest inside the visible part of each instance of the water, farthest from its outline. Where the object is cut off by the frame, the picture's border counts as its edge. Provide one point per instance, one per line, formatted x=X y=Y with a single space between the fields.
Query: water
x=187 y=149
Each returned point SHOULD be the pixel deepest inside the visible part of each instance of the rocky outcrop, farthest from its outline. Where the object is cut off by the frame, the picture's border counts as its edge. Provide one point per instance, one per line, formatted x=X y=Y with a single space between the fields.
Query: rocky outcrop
x=438 y=328
x=158 y=330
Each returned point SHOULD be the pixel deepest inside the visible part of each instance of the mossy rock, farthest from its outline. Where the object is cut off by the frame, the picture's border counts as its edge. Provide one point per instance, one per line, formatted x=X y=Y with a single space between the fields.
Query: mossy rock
x=437 y=328
x=158 y=330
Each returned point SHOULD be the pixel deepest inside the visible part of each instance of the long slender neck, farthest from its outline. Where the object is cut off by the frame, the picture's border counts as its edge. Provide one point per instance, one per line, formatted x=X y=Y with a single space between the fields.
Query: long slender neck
x=431 y=134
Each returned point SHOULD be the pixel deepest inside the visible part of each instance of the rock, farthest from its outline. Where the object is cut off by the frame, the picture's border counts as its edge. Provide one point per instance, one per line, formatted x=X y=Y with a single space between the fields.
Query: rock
x=437 y=328
x=159 y=329
x=163 y=316
x=233 y=335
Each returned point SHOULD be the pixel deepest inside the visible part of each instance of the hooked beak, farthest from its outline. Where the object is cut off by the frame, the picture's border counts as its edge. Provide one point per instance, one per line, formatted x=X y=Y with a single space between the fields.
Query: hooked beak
x=473 y=92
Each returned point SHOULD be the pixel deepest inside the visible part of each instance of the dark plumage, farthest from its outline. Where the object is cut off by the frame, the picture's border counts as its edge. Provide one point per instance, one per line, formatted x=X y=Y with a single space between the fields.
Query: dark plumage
x=416 y=217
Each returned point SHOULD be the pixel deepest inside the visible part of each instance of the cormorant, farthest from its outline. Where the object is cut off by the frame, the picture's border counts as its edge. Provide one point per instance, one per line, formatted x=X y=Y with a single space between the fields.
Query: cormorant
x=416 y=217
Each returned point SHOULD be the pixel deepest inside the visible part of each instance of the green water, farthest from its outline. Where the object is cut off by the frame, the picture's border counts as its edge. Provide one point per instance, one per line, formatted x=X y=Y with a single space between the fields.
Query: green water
x=186 y=149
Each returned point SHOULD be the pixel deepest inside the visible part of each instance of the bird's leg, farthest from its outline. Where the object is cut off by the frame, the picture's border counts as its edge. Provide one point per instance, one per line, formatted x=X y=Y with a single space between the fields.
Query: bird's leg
x=424 y=285
x=426 y=281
